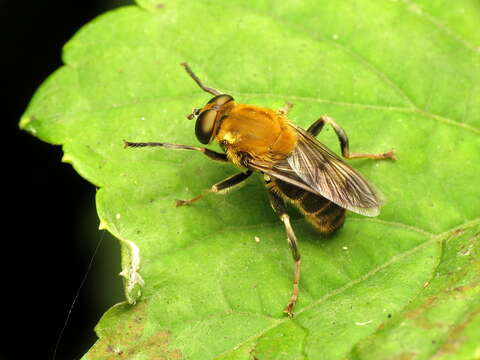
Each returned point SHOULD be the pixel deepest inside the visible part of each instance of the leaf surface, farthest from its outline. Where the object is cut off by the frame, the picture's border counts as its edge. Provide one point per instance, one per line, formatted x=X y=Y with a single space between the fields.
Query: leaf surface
x=210 y=280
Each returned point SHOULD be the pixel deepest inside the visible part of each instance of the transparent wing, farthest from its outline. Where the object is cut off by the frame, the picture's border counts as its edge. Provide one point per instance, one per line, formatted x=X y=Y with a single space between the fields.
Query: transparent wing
x=315 y=168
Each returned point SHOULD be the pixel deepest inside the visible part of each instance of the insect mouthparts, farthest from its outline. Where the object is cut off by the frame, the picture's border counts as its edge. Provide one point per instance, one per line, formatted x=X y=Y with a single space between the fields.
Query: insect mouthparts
x=193 y=114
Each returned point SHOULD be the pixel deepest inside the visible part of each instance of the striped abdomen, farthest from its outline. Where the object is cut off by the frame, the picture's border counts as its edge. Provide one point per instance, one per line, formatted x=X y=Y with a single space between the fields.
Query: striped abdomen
x=325 y=215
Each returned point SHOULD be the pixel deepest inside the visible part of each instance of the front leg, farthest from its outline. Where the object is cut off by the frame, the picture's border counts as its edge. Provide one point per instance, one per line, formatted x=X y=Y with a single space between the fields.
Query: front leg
x=285 y=109
x=219 y=187
x=210 y=153
x=317 y=126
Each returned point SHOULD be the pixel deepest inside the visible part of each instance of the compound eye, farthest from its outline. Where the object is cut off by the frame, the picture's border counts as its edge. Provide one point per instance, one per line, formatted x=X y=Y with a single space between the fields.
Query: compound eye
x=220 y=100
x=204 y=126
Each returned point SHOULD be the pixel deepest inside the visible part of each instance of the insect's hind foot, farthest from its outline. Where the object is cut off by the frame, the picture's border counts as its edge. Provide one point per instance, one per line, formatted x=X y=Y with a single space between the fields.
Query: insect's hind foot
x=187 y=202
x=290 y=306
x=389 y=155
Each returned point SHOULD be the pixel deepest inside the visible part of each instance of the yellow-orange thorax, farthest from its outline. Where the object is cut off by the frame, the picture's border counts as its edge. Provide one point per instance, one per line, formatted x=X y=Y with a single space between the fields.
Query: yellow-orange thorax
x=262 y=133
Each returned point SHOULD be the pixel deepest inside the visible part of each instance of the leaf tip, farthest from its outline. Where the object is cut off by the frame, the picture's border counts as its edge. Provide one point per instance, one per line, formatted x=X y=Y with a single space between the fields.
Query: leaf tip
x=103 y=225
x=26 y=123
x=67 y=158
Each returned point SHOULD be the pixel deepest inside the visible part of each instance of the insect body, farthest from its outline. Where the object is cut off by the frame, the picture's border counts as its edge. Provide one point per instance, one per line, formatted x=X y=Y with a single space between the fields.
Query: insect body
x=296 y=167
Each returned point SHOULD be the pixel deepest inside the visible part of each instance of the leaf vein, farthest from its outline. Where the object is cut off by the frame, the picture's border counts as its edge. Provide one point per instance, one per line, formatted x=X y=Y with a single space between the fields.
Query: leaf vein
x=414 y=8
x=433 y=240
x=338 y=291
x=373 y=107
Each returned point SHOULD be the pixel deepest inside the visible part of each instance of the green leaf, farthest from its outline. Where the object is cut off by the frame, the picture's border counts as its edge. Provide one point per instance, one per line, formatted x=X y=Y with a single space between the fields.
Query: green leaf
x=210 y=280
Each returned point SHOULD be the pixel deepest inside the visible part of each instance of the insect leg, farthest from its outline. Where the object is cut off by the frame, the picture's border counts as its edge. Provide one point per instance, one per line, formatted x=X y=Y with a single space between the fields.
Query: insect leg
x=278 y=205
x=210 y=153
x=285 y=109
x=219 y=187
x=317 y=126
x=198 y=81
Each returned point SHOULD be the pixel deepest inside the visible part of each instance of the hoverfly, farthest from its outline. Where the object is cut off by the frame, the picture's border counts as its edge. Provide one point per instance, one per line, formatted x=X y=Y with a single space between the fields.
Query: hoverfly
x=295 y=166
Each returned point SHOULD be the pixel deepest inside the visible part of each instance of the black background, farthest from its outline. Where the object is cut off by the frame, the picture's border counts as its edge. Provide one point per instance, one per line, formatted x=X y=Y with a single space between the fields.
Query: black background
x=50 y=231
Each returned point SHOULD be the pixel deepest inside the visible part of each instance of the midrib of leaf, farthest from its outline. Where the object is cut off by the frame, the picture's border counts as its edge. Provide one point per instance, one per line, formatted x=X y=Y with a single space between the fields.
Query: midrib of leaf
x=433 y=239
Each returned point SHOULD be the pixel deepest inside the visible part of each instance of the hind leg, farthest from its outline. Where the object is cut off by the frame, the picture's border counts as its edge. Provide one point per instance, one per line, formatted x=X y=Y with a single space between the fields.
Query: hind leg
x=317 y=126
